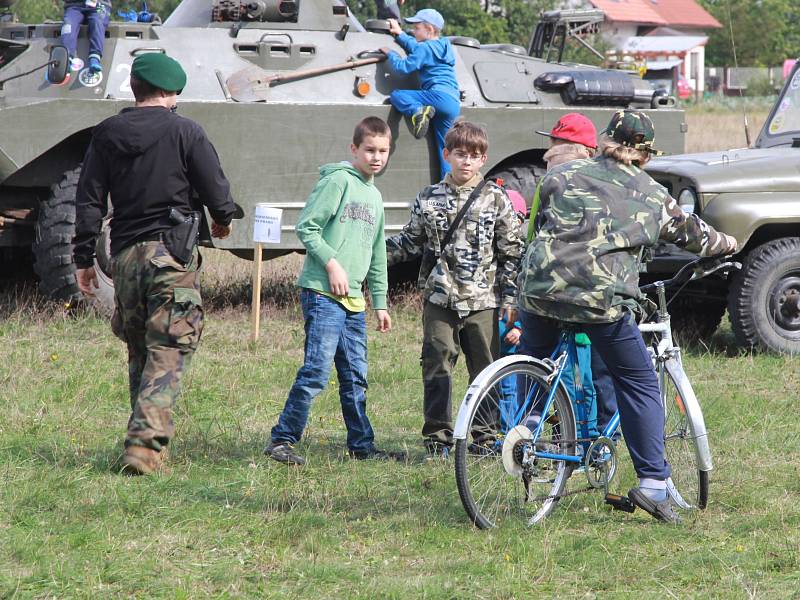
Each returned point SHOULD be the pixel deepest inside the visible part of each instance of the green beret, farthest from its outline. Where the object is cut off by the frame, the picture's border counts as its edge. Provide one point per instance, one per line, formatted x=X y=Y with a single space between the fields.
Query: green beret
x=160 y=71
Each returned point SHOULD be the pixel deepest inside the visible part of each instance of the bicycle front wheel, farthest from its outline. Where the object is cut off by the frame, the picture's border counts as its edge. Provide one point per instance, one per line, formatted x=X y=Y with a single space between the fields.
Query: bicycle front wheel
x=681 y=445
x=500 y=474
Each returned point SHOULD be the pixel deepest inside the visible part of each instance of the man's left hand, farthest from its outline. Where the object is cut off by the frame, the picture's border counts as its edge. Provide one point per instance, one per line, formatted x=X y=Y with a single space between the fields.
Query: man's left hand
x=87 y=281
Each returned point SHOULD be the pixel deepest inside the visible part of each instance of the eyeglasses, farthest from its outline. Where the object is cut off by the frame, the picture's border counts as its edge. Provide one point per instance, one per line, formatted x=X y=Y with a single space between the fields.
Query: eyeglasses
x=461 y=156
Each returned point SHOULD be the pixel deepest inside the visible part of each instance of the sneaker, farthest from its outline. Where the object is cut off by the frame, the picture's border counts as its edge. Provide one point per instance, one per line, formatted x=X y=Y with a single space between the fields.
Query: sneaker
x=140 y=460
x=375 y=454
x=284 y=452
x=421 y=120
x=95 y=66
x=437 y=449
x=662 y=511
x=487 y=447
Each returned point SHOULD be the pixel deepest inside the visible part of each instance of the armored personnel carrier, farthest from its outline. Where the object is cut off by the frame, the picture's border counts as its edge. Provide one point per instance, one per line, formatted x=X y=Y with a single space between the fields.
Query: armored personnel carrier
x=278 y=85
x=753 y=194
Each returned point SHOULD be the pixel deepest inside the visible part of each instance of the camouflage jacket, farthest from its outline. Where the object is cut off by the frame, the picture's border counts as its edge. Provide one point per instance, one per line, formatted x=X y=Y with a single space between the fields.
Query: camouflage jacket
x=479 y=269
x=597 y=216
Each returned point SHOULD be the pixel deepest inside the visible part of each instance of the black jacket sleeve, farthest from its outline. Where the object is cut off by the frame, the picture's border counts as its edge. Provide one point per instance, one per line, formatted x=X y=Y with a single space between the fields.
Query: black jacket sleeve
x=90 y=206
x=208 y=180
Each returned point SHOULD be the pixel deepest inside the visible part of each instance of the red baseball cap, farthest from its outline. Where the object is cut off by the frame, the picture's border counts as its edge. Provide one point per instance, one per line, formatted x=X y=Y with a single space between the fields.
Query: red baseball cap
x=576 y=128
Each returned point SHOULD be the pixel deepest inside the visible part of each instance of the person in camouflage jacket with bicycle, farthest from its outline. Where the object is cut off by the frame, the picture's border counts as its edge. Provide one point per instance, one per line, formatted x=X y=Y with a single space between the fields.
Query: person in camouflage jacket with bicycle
x=463 y=283
x=598 y=215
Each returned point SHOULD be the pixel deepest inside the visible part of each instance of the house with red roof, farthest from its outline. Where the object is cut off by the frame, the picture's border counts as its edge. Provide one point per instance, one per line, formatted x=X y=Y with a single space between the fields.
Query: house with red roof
x=669 y=35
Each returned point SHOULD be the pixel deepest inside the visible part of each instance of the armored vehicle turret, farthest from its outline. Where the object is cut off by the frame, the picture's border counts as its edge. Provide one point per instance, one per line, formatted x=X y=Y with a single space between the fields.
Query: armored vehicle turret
x=278 y=85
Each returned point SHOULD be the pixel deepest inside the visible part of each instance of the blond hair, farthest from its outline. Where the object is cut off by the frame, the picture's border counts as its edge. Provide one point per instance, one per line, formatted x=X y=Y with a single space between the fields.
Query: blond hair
x=624 y=154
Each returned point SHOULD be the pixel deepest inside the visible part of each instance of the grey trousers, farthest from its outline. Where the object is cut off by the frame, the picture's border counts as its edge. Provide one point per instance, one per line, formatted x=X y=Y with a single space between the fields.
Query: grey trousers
x=445 y=336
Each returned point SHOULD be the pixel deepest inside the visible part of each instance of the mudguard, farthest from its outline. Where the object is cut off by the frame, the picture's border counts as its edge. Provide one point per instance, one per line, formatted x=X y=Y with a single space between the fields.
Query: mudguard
x=480 y=383
x=697 y=426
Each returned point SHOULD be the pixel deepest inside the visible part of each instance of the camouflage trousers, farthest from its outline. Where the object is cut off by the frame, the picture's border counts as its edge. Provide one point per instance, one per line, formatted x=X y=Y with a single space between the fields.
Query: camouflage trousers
x=159 y=315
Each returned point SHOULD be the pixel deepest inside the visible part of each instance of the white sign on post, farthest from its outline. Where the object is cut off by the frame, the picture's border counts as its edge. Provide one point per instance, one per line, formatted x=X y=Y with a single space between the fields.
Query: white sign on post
x=266 y=230
x=267 y=224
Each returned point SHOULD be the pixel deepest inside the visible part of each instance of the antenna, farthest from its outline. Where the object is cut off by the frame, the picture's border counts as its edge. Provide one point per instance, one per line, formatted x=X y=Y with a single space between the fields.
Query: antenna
x=736 y=66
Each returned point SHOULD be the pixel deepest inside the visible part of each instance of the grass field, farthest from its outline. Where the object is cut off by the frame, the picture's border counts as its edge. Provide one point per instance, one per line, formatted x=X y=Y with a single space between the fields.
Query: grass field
x=228 y=522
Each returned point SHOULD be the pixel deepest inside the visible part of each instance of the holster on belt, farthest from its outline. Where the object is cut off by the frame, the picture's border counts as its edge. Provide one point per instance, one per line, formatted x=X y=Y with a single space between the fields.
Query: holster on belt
x=181 y=238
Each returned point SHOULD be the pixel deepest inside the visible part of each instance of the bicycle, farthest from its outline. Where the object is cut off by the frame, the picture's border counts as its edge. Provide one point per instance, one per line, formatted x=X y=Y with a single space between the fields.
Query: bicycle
x=524 y=451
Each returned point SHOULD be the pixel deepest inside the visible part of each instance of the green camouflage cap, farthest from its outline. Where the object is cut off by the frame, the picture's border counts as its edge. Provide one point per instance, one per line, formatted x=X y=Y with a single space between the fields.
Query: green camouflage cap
x=160 y=71
x=634 y=129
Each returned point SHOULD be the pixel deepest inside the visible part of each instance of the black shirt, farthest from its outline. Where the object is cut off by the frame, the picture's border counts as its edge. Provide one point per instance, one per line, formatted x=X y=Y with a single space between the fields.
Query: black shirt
x=150 y=160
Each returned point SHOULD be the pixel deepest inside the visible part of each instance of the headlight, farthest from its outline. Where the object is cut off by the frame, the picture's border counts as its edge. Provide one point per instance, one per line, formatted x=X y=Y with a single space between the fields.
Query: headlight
x=687 y=200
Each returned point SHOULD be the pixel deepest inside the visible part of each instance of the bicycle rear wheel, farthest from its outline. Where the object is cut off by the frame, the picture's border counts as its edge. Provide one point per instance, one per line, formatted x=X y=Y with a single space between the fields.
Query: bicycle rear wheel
x=498 y=475
x=681 y=446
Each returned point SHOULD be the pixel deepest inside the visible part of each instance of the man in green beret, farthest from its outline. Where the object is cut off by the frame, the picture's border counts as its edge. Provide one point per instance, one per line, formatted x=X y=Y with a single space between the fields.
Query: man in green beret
x=150 y=160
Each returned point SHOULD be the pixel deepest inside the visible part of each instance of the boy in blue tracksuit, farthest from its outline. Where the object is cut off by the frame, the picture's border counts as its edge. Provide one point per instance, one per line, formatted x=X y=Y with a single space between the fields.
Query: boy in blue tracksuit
x=438 y=102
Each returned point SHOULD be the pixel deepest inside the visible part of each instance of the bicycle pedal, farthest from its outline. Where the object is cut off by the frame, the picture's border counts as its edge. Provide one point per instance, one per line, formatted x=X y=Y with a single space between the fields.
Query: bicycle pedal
x=620 y=503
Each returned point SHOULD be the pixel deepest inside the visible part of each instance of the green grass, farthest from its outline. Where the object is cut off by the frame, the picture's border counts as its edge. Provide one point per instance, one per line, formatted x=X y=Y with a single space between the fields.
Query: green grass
x=227 y=522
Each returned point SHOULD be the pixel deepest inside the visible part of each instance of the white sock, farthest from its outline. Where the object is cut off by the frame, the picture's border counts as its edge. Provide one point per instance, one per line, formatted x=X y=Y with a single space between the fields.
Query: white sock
x=655 y=489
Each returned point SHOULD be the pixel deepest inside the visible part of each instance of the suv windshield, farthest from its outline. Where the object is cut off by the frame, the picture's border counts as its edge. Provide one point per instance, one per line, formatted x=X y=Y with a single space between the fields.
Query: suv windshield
x=785 y=117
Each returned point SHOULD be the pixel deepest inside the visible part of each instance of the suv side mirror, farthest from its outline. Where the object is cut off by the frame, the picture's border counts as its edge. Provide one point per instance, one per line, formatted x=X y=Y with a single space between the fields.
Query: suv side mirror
x=58 y=67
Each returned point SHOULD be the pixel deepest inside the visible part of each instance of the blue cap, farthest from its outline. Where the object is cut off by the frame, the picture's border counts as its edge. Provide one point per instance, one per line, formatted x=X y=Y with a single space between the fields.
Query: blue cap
x=427 y=15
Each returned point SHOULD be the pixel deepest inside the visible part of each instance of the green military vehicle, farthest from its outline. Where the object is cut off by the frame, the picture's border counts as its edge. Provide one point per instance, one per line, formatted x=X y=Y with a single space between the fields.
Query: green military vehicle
x=278 y=85
x=753 y=194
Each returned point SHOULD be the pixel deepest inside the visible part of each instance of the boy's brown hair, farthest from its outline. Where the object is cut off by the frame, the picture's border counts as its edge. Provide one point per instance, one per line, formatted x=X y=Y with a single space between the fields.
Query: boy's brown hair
x=374 y=126
x=466 y=135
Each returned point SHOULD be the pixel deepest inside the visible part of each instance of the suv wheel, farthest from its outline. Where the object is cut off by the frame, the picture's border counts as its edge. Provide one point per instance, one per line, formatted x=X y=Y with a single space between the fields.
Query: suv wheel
x=694 y=320
x=764 y=303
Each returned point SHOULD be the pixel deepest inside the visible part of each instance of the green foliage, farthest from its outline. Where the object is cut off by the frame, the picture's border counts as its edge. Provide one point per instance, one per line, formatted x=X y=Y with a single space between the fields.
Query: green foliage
x=37 y=11
x=765 y=32
x=498 y=21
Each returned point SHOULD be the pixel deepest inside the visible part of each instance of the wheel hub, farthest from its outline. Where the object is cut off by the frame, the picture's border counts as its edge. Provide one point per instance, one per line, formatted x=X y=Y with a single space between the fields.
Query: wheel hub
x=785 y=303
x=514 y=449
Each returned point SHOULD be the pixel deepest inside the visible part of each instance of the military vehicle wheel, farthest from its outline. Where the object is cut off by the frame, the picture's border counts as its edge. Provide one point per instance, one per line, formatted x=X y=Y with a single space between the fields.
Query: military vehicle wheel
x=52 y=247
x=694 y=319
x=764 y=301
x=520 y=177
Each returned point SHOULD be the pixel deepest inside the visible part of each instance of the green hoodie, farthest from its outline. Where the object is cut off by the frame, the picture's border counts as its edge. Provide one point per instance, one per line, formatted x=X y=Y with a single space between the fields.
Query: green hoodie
x=343 y=219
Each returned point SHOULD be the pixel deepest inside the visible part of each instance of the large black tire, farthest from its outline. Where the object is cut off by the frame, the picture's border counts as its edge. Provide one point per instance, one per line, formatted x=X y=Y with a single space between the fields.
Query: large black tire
x=695 y=319
x=764 y=302
x=520 y=177
x=52 y=244
x=53 y=249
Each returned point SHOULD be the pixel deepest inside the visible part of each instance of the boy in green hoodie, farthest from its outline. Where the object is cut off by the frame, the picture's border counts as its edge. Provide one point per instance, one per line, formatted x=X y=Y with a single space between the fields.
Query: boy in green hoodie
x=341 y=228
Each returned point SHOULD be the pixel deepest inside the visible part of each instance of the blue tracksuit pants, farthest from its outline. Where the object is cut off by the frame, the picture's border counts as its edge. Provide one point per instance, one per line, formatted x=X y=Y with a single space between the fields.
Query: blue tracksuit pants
x=447 y=106
x=622 y=350
x=97 y=20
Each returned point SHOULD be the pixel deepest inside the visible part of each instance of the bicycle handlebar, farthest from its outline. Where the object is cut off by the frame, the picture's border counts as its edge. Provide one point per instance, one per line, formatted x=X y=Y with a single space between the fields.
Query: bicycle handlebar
x=699 y=268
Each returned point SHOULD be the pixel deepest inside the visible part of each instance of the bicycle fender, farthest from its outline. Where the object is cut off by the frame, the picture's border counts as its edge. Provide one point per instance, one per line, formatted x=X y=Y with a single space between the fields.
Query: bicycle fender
x=694 y=414
x=467 y=408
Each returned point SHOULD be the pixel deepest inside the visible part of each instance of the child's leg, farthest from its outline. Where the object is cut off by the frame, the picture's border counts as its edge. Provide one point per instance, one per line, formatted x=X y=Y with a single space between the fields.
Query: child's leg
x=480 y=341
x=97 y=21
x=324 y=322
x=447 y=110
x=407 y=102
x=440 y=349
x=604 y=388
x=351 y=368
x=73 y=17
x=589 y=396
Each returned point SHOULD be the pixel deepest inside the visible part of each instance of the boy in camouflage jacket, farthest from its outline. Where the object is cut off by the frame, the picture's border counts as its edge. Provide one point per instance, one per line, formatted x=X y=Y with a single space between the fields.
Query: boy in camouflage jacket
x=473 y=277
x=583 y=267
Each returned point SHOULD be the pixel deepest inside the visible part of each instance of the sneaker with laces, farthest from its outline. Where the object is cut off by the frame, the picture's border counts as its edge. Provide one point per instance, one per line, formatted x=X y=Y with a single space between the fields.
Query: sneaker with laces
x=421 y=120
x=95 y=66
x=283 y=452
x=662 y=511
x=375 y=454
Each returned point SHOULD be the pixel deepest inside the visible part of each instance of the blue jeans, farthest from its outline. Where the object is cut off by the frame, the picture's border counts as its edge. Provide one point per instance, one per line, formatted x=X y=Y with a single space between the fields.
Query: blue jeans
x=337 y=336
x=97 y=20
x=623 y=352
x=447 y=107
